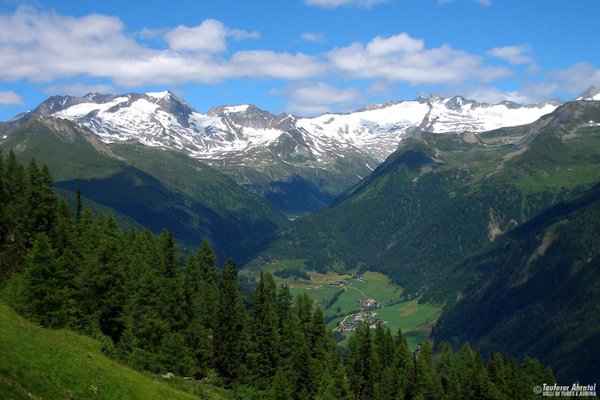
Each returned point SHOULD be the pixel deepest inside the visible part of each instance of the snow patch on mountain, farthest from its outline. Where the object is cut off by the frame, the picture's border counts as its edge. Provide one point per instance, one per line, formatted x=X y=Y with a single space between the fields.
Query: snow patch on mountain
x=241 y=132
x=593 y=93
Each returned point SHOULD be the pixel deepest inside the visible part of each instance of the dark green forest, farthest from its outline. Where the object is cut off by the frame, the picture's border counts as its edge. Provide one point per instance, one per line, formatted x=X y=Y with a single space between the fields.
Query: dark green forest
x=157 y=310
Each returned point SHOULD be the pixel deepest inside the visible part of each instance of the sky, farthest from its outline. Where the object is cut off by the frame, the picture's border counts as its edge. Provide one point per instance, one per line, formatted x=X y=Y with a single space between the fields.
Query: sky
x=305 y=57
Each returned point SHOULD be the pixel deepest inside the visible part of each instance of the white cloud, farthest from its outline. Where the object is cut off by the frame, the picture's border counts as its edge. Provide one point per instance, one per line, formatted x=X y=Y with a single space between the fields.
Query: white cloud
x=240 y=34
x=42 y=47
x=315 y=37
x=209 y=36
x=513 y=54
x=9 y=98
x=568 y=83
x=493 y=96
x=79 y=89
x=345 y=3
x=309 y=99
x=575 y=79
x=269 y=64
x=401 y=58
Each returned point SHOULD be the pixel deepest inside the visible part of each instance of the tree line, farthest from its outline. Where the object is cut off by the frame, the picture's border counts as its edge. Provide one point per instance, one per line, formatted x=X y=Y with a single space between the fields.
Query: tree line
x=154 y=310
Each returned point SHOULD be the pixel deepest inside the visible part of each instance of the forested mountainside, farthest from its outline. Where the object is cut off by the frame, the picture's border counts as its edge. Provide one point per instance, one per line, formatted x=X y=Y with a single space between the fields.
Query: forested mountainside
x=439 y=198
x=129 y=290
x=158 y=189
x=535 y=292
x=297 y=164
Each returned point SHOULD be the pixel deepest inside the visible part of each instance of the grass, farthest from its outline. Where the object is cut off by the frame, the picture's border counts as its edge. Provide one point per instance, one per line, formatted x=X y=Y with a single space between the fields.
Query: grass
x=414 y=319
x=39 y=363
x=408 y=315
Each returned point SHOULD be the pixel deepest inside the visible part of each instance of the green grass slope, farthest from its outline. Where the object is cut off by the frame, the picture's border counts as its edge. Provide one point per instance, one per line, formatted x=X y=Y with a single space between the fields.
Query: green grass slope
x=39 y=363
x=536 y=292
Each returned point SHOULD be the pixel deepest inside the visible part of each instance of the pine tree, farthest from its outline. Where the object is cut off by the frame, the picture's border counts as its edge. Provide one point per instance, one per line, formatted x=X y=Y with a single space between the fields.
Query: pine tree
x=384 y=360
x=14 y=245
x=175 y=356
x=360 y=368
x=200 y=303
x=43 y=283
x=281 y=389
x=264 y=354
x=41 y=204
x=427 y=381
x=229 y=343
x=102 y=281
x=403 y=366
x=447 y=370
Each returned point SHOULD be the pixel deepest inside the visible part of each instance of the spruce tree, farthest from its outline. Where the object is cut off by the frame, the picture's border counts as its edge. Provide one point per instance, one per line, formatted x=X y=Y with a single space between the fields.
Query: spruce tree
x=447 y=370
x=360 y=366
x=41 y=204
x=42 y=283
x=263 y=354
x=229 y=343
x=427 y=381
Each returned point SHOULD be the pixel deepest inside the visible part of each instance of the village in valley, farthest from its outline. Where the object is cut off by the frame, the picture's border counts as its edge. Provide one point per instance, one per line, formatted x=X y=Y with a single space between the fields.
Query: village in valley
x=350 y=298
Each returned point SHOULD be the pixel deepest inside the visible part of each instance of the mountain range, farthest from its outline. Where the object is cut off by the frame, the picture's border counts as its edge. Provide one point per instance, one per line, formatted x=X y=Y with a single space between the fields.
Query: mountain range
x=458 y=202
x=297 y=164
x=441 y=196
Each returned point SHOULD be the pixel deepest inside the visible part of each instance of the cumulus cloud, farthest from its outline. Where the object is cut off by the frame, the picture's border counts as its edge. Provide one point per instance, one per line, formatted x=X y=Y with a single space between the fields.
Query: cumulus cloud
x=45 y=47
x=513 y=54
x=345 y=3
x=401 y=58
x=315 y=37
x=77 y=89
x=493 y=95
x=309 y=99
x=269 y=64
x=10 y=98
x=575 y=79
x=210 y=36
x=42 y=47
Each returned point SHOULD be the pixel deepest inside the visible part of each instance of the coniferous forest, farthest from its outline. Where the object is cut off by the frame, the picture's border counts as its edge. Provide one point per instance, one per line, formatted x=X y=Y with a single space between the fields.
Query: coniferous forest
x=157 y=310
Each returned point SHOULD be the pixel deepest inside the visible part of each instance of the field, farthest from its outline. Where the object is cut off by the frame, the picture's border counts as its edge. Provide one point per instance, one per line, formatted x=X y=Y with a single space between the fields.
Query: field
x=339 y=296
x=43 y=363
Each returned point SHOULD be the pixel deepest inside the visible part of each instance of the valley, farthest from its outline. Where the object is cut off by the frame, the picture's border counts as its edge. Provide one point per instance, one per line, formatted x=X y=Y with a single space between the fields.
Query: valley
x=353 y=298
x=409 y=249
x=299 y=200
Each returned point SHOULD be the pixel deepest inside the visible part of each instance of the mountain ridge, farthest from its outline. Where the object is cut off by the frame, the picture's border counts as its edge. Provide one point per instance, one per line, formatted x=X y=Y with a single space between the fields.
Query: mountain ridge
x=320 y=156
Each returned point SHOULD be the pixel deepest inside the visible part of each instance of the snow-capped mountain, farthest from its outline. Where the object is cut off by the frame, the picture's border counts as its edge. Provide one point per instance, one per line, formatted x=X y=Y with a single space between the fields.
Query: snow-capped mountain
x=162 y=119
x=593 y=93
x=324 y=154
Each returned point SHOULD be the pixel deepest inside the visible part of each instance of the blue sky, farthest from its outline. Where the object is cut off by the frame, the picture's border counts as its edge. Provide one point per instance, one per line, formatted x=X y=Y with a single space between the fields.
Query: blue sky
x=300 y=56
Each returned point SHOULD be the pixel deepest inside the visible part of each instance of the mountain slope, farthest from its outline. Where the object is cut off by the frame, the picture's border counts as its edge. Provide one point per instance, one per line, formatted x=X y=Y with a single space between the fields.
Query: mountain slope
x=536 y=291
x=157 y=188
x=43 y=363
x=280 y=156
x=439 y=198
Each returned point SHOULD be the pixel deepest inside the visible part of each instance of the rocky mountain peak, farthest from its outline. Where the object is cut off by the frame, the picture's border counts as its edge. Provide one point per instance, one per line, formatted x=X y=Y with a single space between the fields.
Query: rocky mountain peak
x=593 y=93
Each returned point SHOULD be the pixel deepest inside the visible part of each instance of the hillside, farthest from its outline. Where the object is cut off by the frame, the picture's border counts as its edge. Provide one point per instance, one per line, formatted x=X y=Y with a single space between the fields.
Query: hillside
x=159 y=189
x=536 y=291
x=40 y=363
x=297 y=164
x=439 y=198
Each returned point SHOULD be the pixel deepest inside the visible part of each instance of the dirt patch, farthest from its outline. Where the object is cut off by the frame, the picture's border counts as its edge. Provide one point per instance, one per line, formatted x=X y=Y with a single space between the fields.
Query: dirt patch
x=409 y=309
